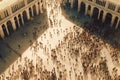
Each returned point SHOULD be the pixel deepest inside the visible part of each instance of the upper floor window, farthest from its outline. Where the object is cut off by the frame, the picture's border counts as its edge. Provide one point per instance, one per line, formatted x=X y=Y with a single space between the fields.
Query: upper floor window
x=6 y=13
x=18 y=6
x=101 y=2
x=118 y=10
x=111 y=6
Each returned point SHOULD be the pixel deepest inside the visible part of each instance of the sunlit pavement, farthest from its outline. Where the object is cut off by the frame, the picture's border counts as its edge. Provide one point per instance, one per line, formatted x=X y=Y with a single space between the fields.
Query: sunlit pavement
x=54 y=41
x=51 y=43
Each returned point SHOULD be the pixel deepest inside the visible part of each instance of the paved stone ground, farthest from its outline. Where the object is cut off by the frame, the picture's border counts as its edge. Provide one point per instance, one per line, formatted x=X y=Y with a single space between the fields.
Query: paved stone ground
x=10 y=49
x=23 y=36
x=106 y=51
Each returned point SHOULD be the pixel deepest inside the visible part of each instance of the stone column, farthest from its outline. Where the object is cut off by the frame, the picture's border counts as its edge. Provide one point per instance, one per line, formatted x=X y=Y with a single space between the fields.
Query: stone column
x=28 y=15
x=72 y=2
x=86 y=9
x=112 y=21
x=44 y=4
x=18 y=21
x=37 y=8
x=41 y=9
x=117 y=24
x=13 y=24
x=7 y=29
x=32 y=11
x=79 y=2
x=22 y=19
x=99 y=14
x=104 y=16
x=1 y=32
x=91 y=12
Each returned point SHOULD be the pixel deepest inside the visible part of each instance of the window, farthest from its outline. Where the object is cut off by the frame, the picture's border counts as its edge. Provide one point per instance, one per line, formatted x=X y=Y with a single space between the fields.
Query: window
x=100 y=2
x=111 y=6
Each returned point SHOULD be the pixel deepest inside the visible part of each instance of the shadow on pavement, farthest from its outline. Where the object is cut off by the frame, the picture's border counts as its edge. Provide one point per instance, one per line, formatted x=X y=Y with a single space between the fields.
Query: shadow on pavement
x=15 y=45
x=101 y=30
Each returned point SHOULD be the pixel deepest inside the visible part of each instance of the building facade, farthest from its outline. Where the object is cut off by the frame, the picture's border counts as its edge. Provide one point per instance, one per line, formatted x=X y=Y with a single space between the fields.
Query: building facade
x=16 y=15
x=108 y=11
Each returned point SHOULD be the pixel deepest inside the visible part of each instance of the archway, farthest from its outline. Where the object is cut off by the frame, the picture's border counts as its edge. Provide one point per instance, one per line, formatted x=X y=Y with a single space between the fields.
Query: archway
x=108 y=19
x=20 y=20
x=68 y=3
x=30 y=12
x=16 y=23
x=38 y=8
x=25 y=16
x=34 y=10
x=115 y=21
x=101 y=16
x=118 y=28
x=95 y=13
x=4 y=30
x=89 y=10
x=10 y=27
x=82 y=8
x=75 y=5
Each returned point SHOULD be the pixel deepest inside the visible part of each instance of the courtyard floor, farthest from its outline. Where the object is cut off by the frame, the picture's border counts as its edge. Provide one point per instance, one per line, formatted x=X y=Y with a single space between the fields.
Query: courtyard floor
x=22 y=42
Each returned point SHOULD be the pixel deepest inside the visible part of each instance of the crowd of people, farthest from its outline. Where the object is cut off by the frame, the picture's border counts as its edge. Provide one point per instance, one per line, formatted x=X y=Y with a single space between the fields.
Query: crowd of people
x=75 y=57
x=53 y=12
x=78 y=56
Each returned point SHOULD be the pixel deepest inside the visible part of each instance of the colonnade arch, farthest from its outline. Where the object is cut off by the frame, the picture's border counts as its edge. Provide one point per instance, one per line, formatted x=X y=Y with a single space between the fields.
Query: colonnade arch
x=75 y=5
x=101 y=16
x=118 y=25
x=16 y=22
x=95 y=13
x=20 y=20
x=82 y=8
x=38 y=8
x=30 y=12
x=25 y=18
x=108 y=18
x=34 y=10
x=89 y=10
x=89 y=7
x=10 y=27
x=115 y=21
x=67 y=3
x=4 y=30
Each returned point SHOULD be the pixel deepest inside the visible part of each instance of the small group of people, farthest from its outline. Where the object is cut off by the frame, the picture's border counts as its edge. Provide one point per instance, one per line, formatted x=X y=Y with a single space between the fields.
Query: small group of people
x=53 y=12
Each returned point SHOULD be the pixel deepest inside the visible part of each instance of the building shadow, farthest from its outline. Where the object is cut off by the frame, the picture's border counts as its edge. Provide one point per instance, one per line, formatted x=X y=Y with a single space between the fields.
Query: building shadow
x=93 y=25
x=13 y=46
